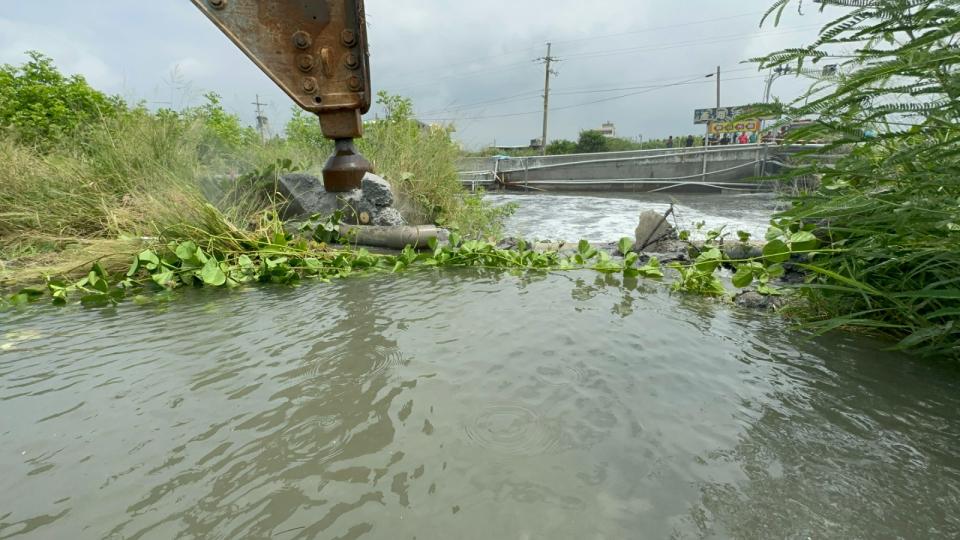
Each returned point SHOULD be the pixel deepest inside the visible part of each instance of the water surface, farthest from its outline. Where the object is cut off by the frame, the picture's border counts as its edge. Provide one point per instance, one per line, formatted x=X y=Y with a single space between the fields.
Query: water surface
x=459 y=404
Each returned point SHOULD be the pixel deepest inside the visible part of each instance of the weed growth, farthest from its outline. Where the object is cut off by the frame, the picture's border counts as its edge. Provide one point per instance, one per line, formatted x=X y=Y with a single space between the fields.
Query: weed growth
x=888 y=210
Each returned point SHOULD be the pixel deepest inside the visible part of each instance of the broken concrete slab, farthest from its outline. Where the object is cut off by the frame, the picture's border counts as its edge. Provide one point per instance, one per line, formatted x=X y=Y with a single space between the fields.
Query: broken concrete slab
x=370 y=205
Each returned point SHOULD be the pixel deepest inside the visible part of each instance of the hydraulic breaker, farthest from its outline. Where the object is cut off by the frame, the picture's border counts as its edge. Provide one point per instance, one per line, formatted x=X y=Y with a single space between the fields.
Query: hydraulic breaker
x=316 y=51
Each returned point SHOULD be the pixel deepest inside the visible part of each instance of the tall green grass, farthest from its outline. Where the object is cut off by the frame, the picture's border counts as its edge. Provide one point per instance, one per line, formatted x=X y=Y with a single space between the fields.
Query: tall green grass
x=128 y=175
x=142 y=174
x=889 y=209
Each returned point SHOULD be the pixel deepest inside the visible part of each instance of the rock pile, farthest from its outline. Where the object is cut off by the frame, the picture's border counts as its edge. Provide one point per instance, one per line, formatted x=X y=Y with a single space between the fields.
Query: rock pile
x=372 y=204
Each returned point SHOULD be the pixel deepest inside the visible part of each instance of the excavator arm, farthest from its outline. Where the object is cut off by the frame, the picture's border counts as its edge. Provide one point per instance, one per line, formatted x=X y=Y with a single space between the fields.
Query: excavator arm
x=316 y=51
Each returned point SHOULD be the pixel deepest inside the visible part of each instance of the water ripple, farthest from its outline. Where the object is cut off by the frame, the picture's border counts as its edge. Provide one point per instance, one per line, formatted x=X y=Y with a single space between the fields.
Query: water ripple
x=513 y=429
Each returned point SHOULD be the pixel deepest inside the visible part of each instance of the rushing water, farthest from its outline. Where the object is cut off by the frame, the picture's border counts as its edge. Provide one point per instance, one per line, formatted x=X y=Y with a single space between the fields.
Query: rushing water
x=600 y=218
x=459 y=404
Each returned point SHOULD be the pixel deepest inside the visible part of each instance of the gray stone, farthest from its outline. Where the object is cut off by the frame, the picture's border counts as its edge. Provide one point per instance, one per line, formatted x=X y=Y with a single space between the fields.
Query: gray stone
x=739 y=252
x=376 y=190
x=667 y=252
x=371 y=205
x=755 y=300
x=362 y=213
x=508 y=243
x=652 y=232
x=306 y=196
x=292 y=227
x=388 y=217
x=611 y=248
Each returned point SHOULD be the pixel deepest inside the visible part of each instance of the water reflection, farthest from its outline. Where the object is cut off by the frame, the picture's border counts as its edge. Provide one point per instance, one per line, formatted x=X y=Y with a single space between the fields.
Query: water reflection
x=322 y=409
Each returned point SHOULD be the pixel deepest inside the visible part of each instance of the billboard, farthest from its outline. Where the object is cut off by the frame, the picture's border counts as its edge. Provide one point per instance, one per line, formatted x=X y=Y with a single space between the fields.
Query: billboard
x=723 y=114
x=705 y=116
x=720 y=128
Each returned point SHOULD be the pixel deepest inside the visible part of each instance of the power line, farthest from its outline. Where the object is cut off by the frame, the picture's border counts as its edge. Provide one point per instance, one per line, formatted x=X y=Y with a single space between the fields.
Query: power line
x=595 y=90
x=683 y=44
x=696 y=80
x=592 y=38
x=469 y=74
x=532 y=94
x=665 y=27
x=610 y=52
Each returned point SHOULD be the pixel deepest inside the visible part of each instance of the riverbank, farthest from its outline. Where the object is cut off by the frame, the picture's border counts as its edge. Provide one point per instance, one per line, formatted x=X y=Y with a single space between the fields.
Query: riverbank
x=97 y=181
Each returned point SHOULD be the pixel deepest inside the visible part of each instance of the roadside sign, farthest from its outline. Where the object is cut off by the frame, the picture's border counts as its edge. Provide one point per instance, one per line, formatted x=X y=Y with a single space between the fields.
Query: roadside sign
x=723 y=114
x=734 y=127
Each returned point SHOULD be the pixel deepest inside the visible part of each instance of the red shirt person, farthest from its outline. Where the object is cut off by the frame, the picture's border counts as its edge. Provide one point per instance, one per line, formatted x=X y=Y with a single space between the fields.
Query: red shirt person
x=744 y=138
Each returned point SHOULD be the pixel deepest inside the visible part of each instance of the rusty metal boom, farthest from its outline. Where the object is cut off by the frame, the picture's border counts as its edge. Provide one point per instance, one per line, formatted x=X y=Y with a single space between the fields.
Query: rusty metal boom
x=316 y=51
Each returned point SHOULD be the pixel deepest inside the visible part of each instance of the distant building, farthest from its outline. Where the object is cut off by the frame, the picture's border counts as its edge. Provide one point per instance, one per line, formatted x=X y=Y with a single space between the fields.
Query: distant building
x=608 y=129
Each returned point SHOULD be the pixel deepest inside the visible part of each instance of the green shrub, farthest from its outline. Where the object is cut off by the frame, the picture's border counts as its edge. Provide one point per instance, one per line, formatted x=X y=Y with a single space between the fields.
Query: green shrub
x=41 y=107
x=591 y=141
x=888 y=210
x=561 y=146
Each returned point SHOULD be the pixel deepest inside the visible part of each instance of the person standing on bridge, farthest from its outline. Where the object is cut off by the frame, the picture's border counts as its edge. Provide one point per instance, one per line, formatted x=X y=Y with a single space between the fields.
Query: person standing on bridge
x=670 y=141
x=744 y=139
x=753 y=137
x=689 y=141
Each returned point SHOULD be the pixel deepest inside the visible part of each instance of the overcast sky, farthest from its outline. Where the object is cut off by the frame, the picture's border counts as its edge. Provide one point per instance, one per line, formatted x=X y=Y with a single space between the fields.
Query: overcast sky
x=469 y=63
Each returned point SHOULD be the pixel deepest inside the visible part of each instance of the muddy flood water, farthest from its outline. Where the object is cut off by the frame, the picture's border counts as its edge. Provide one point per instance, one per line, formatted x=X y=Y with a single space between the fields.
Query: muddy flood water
x=465 y=404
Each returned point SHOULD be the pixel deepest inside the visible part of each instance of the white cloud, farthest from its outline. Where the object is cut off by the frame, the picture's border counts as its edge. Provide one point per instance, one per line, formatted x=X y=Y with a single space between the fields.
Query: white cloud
x=71 y=57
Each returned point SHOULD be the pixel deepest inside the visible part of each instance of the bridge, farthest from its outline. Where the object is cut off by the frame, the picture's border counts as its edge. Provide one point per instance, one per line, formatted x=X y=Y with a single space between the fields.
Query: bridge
x=697 y=169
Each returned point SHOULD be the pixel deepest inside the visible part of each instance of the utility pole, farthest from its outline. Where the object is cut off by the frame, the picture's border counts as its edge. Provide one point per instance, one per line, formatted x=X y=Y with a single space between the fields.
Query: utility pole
x=263 y=125
x=547 y=60
x=706 y=138
x=716 y=112
x=718 y=89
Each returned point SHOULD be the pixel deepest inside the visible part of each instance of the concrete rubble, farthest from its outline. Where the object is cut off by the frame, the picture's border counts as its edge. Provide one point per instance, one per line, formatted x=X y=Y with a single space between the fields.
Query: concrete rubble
x=372 y=204
x=654 y=233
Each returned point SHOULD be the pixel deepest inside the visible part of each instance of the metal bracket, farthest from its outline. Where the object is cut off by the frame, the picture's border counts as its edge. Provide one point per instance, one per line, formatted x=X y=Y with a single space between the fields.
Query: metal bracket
x=316 y=51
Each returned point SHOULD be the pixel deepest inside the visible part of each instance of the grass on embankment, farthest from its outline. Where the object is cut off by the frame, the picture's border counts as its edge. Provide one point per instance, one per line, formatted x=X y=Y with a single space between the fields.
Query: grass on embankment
x=129 y=176
x=80 y=169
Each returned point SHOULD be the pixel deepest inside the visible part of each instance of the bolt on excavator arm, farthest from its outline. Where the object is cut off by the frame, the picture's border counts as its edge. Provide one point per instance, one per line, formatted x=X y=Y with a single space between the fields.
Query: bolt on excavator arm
x=316 y=51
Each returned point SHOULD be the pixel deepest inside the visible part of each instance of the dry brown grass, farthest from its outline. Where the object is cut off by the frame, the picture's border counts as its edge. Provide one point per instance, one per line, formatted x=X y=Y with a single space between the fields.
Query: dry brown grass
x=32 y=262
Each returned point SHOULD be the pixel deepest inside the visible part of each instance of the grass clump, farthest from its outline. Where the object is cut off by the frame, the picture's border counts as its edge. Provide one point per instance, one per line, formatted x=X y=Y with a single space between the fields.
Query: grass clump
x=888 y=211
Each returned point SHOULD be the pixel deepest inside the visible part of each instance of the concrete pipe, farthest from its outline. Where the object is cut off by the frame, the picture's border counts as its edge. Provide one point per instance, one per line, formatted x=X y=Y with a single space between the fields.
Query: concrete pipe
x=416 y=236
